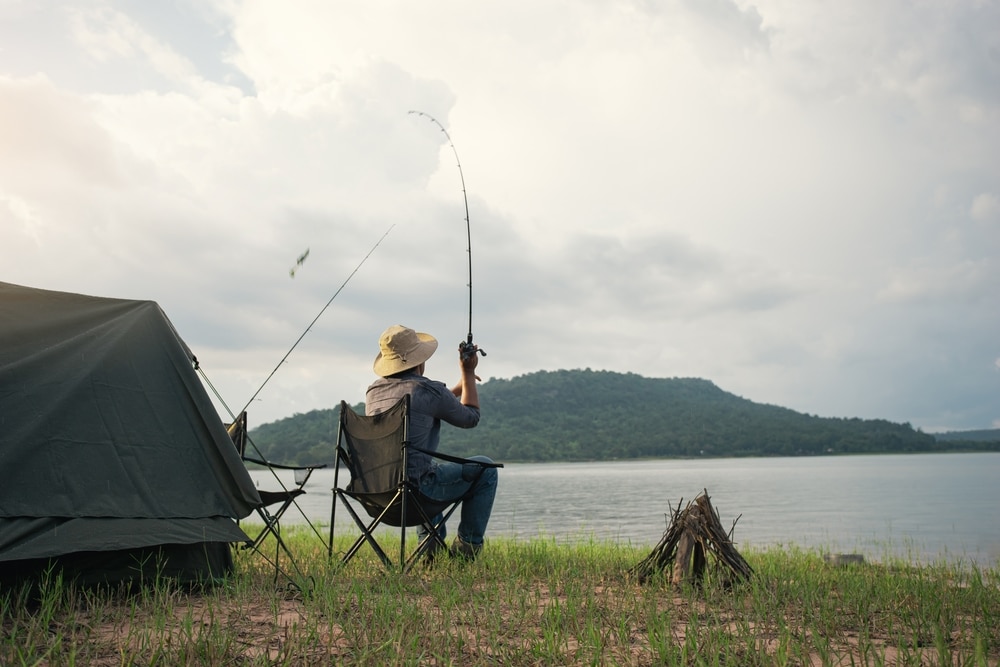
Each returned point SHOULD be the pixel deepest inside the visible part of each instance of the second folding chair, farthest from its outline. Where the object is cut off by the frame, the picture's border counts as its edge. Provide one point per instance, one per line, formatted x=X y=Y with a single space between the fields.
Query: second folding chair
x=275 y=503
x=374 y=449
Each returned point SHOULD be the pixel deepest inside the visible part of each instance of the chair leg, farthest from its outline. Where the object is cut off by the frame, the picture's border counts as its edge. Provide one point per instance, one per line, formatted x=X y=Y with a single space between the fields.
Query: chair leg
x=272 y=526
x=432 y=535
x=405 y=563
x=366 y=536
x=424 y=547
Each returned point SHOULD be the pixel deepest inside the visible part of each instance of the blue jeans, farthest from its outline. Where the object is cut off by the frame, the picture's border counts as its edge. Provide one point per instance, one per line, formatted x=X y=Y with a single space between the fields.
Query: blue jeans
x=446 y=480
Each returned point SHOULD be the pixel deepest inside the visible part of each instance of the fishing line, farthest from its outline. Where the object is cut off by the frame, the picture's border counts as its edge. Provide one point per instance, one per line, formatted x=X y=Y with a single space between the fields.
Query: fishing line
x=466 y=347
x=308 y=328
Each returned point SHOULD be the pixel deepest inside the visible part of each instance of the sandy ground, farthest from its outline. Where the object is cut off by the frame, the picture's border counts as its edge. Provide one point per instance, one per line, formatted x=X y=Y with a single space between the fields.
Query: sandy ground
x=269 y=631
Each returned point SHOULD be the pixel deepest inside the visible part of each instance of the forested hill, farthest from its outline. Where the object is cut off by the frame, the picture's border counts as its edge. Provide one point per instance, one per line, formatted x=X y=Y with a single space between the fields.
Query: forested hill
x=598 y=415
x=988 y=435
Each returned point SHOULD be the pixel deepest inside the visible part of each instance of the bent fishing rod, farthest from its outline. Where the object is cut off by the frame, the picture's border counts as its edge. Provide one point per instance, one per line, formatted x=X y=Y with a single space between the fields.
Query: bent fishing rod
x=466 y=348
x=308 y=328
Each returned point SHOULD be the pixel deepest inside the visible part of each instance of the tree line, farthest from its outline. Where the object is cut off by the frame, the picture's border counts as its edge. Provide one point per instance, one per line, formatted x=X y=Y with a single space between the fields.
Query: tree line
x=586 y=415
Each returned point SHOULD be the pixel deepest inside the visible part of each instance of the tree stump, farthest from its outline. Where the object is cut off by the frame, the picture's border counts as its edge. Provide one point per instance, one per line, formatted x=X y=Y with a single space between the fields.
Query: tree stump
x=691 y=536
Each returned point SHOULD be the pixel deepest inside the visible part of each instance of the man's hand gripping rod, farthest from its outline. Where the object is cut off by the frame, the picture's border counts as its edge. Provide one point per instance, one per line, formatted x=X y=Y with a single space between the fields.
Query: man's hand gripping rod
x=467 y=349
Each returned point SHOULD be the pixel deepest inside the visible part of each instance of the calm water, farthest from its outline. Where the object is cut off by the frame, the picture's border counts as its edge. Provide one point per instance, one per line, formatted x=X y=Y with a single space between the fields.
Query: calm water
x=920 y=507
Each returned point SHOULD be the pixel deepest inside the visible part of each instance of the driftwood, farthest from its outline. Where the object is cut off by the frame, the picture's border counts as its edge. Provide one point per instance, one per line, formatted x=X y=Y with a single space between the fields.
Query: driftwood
x=692 y=535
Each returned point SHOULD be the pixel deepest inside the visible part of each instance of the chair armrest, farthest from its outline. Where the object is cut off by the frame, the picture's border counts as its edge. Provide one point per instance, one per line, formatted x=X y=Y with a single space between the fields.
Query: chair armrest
x=281 y=466
x=457 y=459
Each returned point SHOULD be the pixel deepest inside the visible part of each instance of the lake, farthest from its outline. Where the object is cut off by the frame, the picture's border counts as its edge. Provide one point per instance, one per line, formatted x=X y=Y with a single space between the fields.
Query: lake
x=920 y=507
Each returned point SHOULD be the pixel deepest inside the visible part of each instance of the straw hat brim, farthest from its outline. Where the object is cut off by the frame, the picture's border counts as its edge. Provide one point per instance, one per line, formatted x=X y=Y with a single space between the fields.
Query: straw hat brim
x=390 y=361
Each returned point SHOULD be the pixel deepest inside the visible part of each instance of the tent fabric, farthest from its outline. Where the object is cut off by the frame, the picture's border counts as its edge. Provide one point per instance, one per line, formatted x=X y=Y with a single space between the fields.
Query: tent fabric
x=203 y=563
x=30 y=538
x=108 y=440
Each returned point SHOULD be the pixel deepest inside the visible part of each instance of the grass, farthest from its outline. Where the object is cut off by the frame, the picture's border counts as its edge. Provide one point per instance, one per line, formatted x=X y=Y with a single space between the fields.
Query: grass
x=531 y=602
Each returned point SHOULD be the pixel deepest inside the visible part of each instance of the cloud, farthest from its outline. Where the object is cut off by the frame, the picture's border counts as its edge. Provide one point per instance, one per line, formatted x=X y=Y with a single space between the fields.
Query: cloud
x=794 y=201
x=985 y=208
x=41 y=126
x=970 y=282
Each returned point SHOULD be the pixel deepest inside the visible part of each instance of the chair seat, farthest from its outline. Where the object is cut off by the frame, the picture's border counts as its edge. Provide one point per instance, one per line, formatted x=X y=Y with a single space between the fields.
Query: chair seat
x=274 y=497
x=389 y=506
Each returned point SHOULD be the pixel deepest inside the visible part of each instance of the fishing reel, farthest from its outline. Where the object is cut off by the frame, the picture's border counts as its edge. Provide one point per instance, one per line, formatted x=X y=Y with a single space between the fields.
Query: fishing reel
x=467 y=349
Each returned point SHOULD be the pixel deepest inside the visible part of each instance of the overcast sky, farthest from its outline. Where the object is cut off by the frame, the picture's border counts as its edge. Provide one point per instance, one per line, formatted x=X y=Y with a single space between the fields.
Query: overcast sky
x=797 y=200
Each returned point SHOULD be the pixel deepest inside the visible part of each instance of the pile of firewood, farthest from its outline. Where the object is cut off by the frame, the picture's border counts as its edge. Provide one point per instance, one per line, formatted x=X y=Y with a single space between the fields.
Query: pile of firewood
x=692 y=535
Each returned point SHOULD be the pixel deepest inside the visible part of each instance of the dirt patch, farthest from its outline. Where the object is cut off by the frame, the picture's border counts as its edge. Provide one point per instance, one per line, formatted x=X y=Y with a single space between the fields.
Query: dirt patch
x=265 y=628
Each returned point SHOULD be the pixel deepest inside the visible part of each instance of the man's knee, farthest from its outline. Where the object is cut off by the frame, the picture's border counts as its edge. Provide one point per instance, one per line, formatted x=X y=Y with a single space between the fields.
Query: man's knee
x=488 y=479
x=484 y=476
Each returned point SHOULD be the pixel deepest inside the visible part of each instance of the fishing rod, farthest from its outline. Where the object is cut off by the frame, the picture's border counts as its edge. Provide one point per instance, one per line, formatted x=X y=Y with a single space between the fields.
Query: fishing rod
x=466 y=348
x=308 y=328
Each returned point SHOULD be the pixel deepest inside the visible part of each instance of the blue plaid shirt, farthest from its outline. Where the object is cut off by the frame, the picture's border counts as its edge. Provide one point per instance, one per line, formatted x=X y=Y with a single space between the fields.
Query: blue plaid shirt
x=431 y=402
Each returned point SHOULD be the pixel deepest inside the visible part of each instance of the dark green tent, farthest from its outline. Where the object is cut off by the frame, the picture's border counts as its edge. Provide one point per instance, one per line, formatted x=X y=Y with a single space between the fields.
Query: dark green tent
x=114 y=463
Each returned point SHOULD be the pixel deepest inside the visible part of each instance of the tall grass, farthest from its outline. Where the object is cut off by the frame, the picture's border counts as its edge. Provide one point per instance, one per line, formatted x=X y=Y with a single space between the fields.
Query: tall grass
x=533 y=602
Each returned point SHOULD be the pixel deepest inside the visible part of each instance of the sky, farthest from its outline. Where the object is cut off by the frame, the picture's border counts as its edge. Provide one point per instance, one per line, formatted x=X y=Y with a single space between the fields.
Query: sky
x=797 y=200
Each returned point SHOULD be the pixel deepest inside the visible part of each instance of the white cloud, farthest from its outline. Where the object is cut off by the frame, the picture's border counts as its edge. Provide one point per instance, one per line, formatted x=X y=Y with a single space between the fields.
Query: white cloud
x=985 y=208
x=774 y=196
x=971 y=281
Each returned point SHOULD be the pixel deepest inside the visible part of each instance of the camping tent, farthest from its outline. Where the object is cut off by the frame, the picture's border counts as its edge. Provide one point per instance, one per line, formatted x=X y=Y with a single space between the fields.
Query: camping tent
x=113 y=461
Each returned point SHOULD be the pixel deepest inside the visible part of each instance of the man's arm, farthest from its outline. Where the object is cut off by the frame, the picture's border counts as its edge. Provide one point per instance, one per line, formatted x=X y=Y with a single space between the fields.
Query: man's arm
x=466 y=389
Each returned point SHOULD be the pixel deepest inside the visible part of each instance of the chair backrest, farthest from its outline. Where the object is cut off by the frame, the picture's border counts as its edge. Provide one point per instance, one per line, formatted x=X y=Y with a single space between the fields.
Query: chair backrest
x=373 y=447
x=238 y=432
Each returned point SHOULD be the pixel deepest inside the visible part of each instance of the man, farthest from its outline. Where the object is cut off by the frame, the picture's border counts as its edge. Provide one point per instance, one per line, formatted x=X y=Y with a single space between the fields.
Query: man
x=400 y=365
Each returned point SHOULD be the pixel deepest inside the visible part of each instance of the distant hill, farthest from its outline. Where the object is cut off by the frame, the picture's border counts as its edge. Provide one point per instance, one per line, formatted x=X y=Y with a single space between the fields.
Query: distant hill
x=582 y=415
x=988 y=435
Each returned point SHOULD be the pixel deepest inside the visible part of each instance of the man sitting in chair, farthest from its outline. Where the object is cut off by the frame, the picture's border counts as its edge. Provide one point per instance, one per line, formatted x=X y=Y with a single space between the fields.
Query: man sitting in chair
x=400 y=365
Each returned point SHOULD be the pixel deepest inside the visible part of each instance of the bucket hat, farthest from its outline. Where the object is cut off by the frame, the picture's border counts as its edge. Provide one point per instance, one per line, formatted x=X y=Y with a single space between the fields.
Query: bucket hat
x=402 y=348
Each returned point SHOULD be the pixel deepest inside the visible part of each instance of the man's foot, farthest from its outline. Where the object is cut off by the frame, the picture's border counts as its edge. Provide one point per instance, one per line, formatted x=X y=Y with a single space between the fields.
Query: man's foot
x=463 y=550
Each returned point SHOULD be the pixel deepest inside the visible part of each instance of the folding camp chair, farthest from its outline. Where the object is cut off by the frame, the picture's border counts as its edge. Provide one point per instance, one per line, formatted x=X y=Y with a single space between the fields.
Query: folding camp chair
x=280 y=501
x=375 y=450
